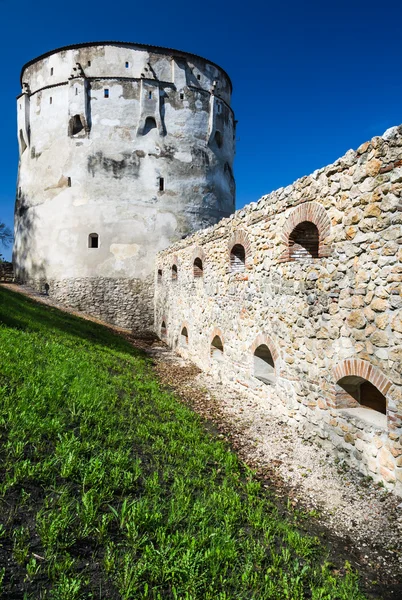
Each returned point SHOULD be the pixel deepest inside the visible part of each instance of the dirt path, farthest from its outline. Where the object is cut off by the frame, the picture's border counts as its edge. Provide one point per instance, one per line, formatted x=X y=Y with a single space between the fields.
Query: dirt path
x=356 y=518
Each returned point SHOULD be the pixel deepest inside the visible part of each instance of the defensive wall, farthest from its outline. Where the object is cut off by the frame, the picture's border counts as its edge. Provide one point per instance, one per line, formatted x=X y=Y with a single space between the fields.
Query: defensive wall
x=124 y=148
x=296 y=300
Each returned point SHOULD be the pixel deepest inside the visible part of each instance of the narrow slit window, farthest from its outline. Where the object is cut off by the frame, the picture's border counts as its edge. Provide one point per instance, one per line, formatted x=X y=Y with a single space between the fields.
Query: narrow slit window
x=198 y=268
x=264 y=367
x=217 y=349
x=161 y=184
x=68 y=181
x=51 y=71
x=174 y=273
x=50 y=100
x=127 y=64
x=184 y=337
x=356 y=392
x=150 y=124
x=149 y=95
x=181 y=96
x=89 y=63
x=237 y=258
x=76 y=91
x=163 y=329
x=304 y=241
x=159 y=275
x=219 y=139
x=93 y=240
x=106 y=93
x=198 y=76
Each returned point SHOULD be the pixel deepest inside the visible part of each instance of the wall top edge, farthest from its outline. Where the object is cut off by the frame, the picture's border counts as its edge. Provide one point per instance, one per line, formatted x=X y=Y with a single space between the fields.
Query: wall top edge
x=133 y=46
x=261 y=206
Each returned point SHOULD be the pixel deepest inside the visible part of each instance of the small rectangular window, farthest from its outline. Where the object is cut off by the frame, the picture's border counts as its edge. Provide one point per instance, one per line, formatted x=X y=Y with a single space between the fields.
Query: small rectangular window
x=69 y=181
x=51 y=100
x=182 y=96
x=106 y=93
x=51 y=71
x=89 y=63
x=161 y=184
x=150 y=95
x=76 y=91
x=127 y=65
x=198 y=76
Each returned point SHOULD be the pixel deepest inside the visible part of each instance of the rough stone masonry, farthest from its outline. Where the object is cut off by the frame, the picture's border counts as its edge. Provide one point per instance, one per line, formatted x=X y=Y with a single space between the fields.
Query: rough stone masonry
x=296 y=300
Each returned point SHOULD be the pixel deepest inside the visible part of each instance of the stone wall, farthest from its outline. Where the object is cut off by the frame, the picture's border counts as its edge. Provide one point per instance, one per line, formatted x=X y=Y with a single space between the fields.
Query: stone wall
x=6 y=272
x=326 y=311
x=124 y=302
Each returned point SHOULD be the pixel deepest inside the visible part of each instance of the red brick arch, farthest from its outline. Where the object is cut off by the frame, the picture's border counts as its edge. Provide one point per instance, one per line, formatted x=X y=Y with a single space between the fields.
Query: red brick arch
x=198 y=252
x=263 y=338
x=313 y=213
x=362 y=368
x=240 y=237
x=216 y=331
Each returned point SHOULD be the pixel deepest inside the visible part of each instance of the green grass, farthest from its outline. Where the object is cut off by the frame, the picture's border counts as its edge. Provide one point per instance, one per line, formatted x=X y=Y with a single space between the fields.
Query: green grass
x=110 y=488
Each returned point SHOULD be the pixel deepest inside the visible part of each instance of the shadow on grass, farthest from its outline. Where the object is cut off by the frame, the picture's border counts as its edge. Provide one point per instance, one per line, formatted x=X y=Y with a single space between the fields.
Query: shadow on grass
x=19 y=312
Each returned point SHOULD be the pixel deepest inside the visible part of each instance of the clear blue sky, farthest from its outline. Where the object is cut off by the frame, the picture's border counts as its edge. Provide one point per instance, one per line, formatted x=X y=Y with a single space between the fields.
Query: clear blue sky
x=311 y=79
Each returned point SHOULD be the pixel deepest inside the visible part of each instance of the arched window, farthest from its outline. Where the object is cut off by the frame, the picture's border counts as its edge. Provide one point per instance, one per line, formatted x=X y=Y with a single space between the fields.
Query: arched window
x=217 y=349
x=184 y=337
x=353 y=391
x=198 y=268
x=174 y=273
x=150 y=123
x=93 y=240
x=163 y=329
x=264 y=367
x=218 y=139
x=159 y=275
x=304 y=241
x=75 y=125
x=237 y=258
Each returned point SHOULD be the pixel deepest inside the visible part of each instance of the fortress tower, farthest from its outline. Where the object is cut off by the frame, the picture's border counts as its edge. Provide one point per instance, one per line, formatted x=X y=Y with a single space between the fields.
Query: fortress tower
x=124 y=149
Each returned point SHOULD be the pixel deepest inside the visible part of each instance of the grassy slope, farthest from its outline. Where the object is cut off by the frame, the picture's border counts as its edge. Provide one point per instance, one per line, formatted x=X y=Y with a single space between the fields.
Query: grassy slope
x=120 y=489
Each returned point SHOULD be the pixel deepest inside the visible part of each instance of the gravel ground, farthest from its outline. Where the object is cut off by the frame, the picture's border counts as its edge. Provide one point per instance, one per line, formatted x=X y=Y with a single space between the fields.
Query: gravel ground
x=359 y=520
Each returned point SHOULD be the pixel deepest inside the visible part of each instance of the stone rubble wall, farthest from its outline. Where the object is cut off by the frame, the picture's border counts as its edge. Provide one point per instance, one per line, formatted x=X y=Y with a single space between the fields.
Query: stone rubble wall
x=6 y=272
x=333 y=316
x=122 y=302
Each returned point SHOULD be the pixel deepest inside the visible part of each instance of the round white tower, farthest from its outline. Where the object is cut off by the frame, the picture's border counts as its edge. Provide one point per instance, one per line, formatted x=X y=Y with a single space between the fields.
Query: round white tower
x=124 y=148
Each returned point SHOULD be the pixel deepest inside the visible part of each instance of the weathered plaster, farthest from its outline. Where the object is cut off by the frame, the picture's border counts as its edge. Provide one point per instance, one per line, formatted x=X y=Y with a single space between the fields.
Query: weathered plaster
x=87 y=164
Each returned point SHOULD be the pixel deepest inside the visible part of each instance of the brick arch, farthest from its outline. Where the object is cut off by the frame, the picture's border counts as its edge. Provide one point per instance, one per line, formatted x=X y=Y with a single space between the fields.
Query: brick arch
x=198 y=252
x=313 y=213
x=216 y=331
x=240 y=237
x=362 y=368
x=263 y=338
